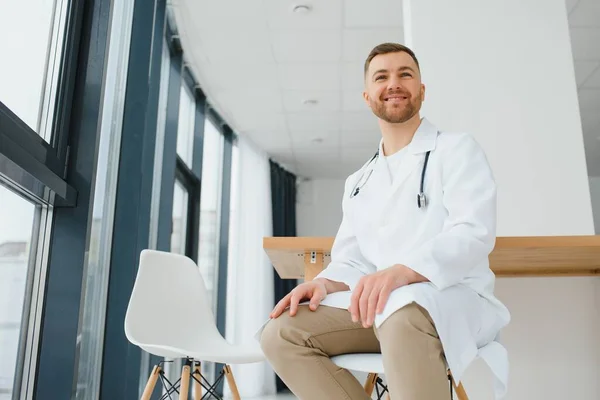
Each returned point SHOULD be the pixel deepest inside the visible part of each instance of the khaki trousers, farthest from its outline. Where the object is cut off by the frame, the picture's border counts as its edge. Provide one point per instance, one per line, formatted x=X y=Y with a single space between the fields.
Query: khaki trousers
x=299 y=349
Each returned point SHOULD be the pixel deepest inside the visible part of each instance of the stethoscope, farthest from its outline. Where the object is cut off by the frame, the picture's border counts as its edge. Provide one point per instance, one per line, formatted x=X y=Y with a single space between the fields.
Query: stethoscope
x=421 y=198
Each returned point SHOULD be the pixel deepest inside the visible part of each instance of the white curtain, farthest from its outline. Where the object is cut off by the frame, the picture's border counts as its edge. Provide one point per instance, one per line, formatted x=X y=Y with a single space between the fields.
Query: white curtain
x=250 y=274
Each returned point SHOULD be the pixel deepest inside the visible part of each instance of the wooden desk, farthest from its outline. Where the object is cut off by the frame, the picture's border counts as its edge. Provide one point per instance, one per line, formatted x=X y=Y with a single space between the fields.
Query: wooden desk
x=305 y=257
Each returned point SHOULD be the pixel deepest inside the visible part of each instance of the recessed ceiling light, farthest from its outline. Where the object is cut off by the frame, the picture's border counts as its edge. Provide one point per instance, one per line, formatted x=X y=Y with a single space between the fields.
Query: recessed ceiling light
x=317 y=140
x=301 y=9
x=310 y=102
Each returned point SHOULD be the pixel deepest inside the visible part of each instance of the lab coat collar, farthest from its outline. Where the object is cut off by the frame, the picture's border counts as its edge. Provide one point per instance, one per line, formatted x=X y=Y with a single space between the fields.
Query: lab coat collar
x=423 y=141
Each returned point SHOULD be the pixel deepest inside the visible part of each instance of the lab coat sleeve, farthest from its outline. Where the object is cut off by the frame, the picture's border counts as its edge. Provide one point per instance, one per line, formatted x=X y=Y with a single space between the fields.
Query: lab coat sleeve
x=347 y=264
x=469 y=231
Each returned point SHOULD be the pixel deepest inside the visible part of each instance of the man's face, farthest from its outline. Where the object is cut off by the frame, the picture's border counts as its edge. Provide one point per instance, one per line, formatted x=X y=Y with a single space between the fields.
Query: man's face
x=393 y=88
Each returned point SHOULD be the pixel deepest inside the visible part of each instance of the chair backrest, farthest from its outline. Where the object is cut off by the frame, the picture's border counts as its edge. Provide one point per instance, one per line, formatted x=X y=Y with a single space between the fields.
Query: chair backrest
x=169 y=303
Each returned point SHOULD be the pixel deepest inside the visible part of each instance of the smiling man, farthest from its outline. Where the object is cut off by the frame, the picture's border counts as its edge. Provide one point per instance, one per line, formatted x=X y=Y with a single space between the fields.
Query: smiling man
x=409 y=275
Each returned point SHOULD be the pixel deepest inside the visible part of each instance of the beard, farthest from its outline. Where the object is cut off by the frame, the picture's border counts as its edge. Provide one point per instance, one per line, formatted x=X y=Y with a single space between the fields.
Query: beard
x=397 y=113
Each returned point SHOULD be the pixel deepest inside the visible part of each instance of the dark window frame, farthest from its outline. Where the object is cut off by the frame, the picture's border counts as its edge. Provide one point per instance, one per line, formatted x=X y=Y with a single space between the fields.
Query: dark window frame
x=29 y=165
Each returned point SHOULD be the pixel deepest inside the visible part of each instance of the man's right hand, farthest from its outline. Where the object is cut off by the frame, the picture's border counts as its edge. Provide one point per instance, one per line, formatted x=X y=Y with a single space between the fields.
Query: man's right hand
x=314 y=290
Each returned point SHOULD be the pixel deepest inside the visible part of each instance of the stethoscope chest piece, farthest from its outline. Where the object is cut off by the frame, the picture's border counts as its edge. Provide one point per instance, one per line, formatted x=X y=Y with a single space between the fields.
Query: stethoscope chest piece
x=421 y=200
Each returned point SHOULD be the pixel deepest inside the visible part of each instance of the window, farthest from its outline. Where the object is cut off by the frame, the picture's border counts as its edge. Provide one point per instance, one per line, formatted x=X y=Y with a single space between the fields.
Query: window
x=91 y=335
x=180 y=219
x=31 y=41
x=185 y=130
x=210 y=202
x=15 y=249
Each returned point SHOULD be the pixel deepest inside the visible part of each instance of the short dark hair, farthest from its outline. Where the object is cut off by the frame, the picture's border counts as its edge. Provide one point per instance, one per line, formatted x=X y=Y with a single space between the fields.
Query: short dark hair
x=386 y=48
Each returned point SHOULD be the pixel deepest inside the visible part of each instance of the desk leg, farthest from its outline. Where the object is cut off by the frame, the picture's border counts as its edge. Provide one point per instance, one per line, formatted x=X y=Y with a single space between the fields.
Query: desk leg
x=313 y=264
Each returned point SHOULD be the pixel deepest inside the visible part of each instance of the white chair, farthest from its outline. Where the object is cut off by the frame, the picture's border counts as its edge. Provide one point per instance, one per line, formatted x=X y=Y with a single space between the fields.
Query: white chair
x=169 y=287
x=372 y=363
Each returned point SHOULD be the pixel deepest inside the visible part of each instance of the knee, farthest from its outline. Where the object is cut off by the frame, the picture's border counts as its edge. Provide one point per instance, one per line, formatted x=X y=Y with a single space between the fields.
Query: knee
x=408 y=320
x=278 y=335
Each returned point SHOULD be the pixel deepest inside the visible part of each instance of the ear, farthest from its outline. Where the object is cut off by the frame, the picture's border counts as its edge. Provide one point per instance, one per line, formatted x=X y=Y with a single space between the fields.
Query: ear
x=366 y=98
x=422 y=92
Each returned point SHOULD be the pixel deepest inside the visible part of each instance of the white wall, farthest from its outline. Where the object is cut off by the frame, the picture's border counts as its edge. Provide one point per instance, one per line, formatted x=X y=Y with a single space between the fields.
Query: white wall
x=503 y=70
x=319 y=207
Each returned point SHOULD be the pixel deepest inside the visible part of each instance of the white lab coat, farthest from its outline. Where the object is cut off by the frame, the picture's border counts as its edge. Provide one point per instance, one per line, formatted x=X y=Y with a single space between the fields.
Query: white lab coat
x=448 y=242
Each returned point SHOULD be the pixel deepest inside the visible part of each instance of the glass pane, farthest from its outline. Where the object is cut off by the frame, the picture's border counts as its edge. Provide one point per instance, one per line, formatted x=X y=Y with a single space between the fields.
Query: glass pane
x=160 y=144
x=91 y=335
x=233 y=208
x=210 y=211
x=18 y=214
x=31 y=37
x=180 y=215
x=185 y=128
x=210 y=205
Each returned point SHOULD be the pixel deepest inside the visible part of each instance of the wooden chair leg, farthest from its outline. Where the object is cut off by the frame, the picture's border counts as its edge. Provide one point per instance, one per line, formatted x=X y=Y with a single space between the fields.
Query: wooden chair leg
x=197 y=386
x=151 y=383
x=461 y=393
x=231 y=382
x=184 y=389
x=370 y=383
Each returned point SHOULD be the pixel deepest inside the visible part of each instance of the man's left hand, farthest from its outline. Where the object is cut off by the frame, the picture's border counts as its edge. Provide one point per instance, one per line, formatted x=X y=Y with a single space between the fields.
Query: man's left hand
x=372 y=292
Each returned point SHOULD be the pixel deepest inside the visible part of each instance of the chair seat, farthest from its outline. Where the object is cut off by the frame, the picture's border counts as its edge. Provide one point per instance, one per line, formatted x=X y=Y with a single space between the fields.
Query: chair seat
x=362 y=362
x=222 y=353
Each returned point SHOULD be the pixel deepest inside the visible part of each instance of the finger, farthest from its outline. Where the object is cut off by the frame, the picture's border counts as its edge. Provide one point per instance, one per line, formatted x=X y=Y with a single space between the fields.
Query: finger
x=383 y=298
x=363 y=303
x=315 y=300
x=283 y=303
x=294 y=301
x=354 y=311
x=372 y=305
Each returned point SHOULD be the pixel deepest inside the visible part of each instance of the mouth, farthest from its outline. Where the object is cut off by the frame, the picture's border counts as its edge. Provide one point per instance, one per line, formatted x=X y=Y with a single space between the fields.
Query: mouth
x=395 y=99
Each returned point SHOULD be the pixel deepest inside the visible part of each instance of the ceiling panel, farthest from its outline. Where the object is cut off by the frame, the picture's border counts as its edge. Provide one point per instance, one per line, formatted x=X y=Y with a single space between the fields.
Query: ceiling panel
x=358 y=43
x=382 y=13
x=219 y=14
x=250 y=120
x=302 y=76
x=585 y=43
x=322 y=15
x=353 y=101
x=306 y=141
x=258 y=100
x=571 y=5
x=357 y=156
x=589 y=99
x=594 y=81
x=244 y=76
x=311 y=101
x=278 y=142
x=221 y=46
x=590 y=121
x=306 y=122
x=360 y=139
x=583 y=70
x=587 y=13
x=359 y=121
x=353 y=75
x=306 y=46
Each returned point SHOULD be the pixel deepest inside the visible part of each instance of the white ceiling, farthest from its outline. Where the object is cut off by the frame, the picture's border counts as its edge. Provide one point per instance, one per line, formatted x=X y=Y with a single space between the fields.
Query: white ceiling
x=258 y=63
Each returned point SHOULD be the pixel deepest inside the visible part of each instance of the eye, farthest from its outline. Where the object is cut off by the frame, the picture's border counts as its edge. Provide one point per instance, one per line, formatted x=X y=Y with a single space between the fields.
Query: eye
x=406 y=74
x=379 y=77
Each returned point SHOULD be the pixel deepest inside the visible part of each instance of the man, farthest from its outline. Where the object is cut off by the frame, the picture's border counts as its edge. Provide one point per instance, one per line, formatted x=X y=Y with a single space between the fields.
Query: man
x=409 y=275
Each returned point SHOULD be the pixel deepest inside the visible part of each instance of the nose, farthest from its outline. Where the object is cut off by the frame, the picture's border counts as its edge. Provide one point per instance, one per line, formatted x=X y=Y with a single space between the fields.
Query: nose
x=395 y=83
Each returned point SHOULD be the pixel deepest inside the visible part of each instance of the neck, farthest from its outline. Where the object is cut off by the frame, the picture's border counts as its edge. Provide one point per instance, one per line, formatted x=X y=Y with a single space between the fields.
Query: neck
x=398 y=136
